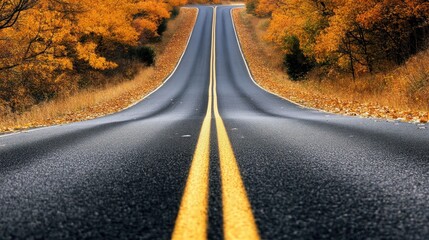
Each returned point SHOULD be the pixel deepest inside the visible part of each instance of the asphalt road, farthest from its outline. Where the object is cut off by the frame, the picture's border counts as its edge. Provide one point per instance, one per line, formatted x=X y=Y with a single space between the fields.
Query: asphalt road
x=305 y=174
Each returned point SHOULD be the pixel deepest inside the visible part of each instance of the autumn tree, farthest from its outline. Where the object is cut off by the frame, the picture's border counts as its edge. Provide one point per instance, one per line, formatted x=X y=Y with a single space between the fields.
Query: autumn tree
x=370 y=32
x=10 y=11
x=303 y=19
x=53 y=47
x=297 y=23
x=398 y=26
x=359 y=35
x=265 y=8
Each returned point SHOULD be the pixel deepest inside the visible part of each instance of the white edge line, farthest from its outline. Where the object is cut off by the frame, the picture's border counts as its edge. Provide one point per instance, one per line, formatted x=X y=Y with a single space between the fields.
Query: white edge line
x=174 y=70
x=9 y=134
x=133 y=104
x=28 y=130
x=291 y=101
x=251 y=77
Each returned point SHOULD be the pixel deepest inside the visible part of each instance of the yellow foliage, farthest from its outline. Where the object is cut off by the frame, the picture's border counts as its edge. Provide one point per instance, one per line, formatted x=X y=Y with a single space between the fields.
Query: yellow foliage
x=299 y=18
x=95 y=102
x=266 y=7
x=401 y=93
x=355 y=34
x=99 y=18
x=53 y=38
x=330 y=39
x=87 y=53
x=175 y=3
x=152 y=10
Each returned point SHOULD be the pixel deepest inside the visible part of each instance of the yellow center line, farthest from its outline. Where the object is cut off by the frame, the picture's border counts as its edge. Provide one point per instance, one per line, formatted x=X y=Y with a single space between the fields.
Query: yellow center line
x=238 y=220
x=191 y=222
x=192 y=219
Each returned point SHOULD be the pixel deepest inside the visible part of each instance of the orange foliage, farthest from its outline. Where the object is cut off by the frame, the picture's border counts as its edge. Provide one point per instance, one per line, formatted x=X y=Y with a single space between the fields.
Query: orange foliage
x=94 y=102
x=43 y=50
x=401 y=93
x=359 y=35
x=299 y=18
x=266 y=7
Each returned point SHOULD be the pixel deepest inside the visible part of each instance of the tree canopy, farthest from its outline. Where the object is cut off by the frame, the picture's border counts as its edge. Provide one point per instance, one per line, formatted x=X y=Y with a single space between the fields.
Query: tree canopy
x=45 y=43
x=358 y=35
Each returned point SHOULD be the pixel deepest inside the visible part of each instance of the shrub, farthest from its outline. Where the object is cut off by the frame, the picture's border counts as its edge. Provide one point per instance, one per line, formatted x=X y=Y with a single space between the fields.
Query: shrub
x=296 y=63
x=162 y=26
x=143 y=54
x=250 y=6
x=175 y=12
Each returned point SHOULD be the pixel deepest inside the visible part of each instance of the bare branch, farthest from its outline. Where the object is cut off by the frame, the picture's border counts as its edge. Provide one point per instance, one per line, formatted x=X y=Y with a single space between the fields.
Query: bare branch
x=11 y=9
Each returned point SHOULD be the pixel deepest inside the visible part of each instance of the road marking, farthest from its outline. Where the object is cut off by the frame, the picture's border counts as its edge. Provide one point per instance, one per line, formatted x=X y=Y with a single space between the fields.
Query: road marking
x=174 y=70
x=191 y=222
x=192 y=219
x=135 y=103
x=28 y=131
x=257 y=84
x=9 y=134
x=238 y=220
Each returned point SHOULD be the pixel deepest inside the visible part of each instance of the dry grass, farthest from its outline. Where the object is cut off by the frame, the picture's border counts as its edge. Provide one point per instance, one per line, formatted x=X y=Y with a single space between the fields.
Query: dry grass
x=401 y=93
x=92 y=103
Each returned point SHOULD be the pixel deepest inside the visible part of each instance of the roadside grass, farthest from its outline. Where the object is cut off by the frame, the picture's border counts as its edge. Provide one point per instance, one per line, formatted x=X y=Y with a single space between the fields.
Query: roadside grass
x=400 y=93
x=94 y=102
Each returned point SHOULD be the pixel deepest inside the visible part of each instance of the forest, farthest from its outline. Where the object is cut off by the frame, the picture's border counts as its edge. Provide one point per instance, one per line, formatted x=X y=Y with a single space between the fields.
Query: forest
x=53 y=48
x=356 y=36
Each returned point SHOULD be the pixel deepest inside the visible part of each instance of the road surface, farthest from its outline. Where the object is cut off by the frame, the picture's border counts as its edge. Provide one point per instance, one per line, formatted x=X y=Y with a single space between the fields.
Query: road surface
x=210 y=154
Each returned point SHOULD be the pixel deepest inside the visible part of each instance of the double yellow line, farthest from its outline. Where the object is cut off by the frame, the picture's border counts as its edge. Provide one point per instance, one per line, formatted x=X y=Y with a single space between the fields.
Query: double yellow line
x=192 y=220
